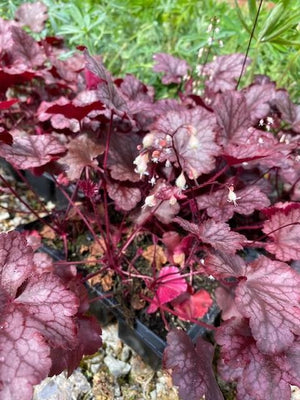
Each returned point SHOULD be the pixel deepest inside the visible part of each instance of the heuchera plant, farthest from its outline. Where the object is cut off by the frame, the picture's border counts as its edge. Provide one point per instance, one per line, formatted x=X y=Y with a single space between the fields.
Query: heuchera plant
x=212 y=177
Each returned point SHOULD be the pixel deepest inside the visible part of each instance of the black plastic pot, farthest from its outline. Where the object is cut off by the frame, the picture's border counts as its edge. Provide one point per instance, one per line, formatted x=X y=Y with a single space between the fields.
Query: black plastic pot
x=137 y=336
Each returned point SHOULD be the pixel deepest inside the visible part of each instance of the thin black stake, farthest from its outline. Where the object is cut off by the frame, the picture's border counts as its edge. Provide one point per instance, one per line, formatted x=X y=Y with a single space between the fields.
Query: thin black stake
x=249 y=43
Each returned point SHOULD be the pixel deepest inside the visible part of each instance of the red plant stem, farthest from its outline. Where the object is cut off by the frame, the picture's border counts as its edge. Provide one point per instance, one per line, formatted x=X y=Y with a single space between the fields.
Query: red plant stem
x=108 y=140
x=28 y=206
x=247 y=227
x=31 y=189
x=209 y=182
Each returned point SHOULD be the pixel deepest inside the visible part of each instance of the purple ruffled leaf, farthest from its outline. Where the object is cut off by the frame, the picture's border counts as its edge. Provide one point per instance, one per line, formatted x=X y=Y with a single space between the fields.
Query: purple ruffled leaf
x=82 y=152
x=222 y=73
x=283 y=229
x=174 y=69
x=217 y=234
x=219 y=207
x=32 y=15
x=126 y=198
x=191 y=367
x=269 y=297
x=29 y=151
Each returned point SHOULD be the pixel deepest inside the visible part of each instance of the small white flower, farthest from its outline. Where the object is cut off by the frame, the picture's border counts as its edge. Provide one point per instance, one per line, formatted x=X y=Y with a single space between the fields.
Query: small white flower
x=180 y=181
x=193 y=142
x=141 y=163
x=150 y=201
x=270 y=120
x=172 y=201
x=261 y=140
x=167 y=164
x=152 y=181
x=261 y=122
x=210 y=41
x=148 y=140
x=232 y=198
x=221 y=44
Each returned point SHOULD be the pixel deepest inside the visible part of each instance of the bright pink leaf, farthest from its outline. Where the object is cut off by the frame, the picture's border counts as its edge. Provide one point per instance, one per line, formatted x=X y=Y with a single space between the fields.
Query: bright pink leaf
x=219 y=207
x=193 y=306
x=222 y=73
x=126 y=198
x=32 y=15
x=174 y=69
x=191 y=367
x=269 y=297
x=29 y=151
x=217 y=234
x=170 y=284
x=82 y=152
x=283 y=228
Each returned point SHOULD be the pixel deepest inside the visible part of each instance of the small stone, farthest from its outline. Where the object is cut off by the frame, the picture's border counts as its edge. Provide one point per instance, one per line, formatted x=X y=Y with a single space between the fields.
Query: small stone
x=116 y=367
x=295 y=393
x=140 y=372
x=126 y=353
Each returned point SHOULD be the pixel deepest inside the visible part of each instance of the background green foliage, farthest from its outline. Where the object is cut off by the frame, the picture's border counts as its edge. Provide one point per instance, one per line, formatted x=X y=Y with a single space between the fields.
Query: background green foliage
x=128 y=32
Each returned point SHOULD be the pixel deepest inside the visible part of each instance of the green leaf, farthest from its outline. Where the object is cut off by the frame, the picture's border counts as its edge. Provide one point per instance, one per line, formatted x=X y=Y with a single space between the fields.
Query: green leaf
x=252 y=9
x=285 y=26
x=271 y=21
x=241 y=17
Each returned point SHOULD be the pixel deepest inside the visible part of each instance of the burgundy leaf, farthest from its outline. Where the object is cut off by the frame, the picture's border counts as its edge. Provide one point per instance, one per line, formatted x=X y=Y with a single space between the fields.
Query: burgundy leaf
x=174 y=69
x=220 y=208
x=225 y=301
x=258 y=375
x=192 y=134
x=12 y=76
x=232 y=114
x=24 y=359
x=258 y=99
x=122 y=153
x=191 y=367
x=107 y=91
x=222 y=265
x=25 y=49
x=89 y=343
x=269 y=297
x=15 y=261
x=5 y=137
x=170 y=285
x=50 y=307
x=7 y=103
x=82 y=152
x=38 y=312
x=217 y=234
x=290 y=112
x=72 y=110
x=33 y=15
x=135 y=90
x=126 y=198
x=192 y=306
x=28 y=151
x=283 y=228
x=222 y=73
